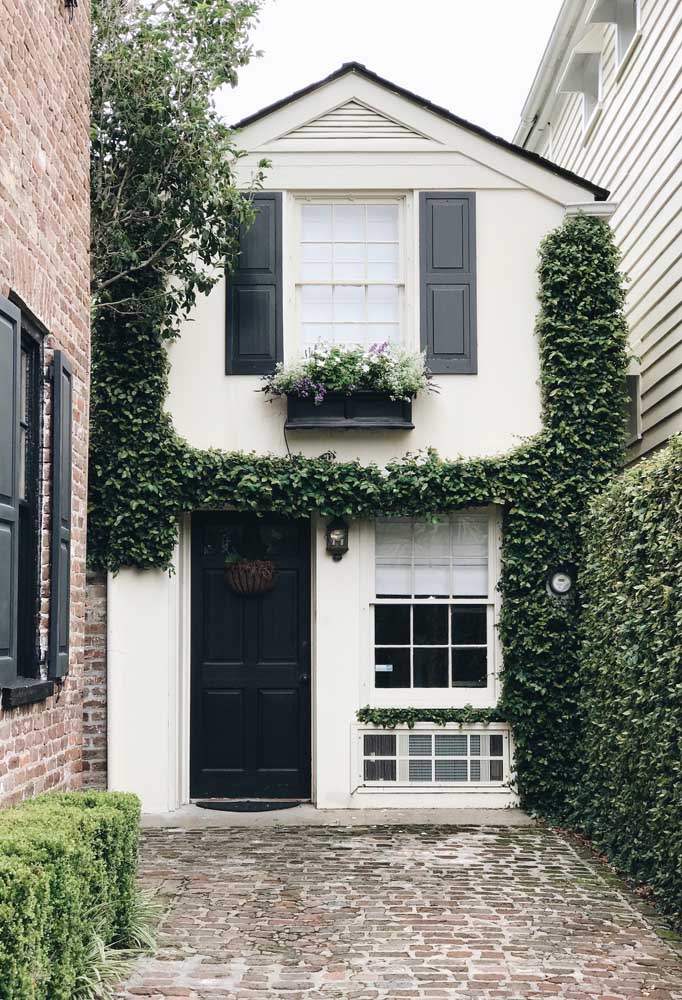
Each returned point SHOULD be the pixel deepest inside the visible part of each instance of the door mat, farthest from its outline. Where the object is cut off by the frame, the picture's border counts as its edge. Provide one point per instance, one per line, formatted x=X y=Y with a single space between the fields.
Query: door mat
x=247 y=805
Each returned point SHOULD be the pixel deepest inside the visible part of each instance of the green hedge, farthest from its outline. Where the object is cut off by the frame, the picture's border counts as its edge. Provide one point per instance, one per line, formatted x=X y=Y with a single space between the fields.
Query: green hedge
x=630 y=793
x=67 y=867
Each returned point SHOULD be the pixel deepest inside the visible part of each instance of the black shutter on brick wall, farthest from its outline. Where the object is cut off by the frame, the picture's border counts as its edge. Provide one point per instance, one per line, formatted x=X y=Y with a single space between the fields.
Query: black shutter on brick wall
x=254 y=293
x=60 y=563
x=10 y=360
x=447 y=234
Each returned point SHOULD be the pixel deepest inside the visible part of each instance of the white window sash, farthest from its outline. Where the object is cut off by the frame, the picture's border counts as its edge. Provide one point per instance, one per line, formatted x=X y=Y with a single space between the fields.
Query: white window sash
x=400 y=283
x=450 y=697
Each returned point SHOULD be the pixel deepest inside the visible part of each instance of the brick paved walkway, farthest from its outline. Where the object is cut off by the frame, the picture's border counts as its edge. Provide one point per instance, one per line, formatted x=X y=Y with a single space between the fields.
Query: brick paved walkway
x=390 y=913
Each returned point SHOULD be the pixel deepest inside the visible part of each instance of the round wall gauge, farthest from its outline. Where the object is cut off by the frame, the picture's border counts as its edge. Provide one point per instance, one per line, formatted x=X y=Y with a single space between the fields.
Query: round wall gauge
x=560 y=581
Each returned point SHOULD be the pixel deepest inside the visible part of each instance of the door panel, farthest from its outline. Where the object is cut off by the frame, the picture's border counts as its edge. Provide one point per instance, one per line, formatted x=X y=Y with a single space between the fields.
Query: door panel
x=250 y=727
x=278 y=622
x=223 y=736
x=223 y=623
x=278 y=722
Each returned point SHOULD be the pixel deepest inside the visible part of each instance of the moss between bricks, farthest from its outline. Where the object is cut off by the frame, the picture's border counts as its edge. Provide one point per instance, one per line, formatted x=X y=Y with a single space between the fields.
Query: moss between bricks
x=143 y=476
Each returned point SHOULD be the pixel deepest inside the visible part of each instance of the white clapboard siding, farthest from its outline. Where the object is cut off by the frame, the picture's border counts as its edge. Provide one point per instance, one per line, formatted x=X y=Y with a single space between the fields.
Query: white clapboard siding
x=635 y=150
x=353 y=120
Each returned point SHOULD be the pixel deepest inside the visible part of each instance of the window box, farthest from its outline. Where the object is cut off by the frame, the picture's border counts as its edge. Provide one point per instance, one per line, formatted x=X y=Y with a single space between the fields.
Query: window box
x=361 y=410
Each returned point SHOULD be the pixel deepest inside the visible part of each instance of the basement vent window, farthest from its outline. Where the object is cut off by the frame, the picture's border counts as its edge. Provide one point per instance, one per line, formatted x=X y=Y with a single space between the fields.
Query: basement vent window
x=435 y=758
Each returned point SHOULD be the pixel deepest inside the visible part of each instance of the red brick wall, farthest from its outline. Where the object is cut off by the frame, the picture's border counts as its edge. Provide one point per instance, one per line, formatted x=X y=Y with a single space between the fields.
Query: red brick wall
x=95 y=683
x=44 y=241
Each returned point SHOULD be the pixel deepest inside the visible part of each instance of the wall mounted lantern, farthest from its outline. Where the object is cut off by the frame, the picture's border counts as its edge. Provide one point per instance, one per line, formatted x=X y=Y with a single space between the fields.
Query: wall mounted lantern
x=561 y=581
x=337 y=538
x=70 y=5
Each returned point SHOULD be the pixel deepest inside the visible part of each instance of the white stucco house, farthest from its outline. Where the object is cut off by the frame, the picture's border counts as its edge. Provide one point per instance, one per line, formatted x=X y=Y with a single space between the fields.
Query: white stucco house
x=383 y=218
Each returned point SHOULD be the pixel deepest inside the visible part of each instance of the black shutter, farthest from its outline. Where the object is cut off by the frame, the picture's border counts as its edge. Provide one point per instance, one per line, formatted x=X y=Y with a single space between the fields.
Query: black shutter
x=10 y=360
x=254 y=293
x=447 y=234
x=60 y=565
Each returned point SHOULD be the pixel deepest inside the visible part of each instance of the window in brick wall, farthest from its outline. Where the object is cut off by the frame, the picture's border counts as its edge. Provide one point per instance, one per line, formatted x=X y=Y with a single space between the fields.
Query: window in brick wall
x=30 y=449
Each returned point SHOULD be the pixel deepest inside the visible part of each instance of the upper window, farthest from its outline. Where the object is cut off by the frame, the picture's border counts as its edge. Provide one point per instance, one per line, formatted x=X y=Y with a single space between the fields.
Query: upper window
x=350 y=285
x=433 y=613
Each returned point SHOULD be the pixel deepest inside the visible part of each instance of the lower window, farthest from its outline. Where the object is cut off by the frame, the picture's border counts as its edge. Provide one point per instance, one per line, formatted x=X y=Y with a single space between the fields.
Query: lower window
x=434 y=609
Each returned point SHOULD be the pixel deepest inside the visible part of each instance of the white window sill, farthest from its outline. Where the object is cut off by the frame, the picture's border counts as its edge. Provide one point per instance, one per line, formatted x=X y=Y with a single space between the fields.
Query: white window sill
x=625 y=61
x=441 y=788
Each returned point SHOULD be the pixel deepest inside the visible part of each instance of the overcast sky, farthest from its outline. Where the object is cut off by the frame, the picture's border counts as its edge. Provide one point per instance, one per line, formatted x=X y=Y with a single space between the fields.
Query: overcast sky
x=476 y=58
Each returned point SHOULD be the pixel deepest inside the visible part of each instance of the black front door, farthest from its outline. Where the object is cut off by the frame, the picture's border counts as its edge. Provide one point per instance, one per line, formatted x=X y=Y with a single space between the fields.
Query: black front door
x=250 y=728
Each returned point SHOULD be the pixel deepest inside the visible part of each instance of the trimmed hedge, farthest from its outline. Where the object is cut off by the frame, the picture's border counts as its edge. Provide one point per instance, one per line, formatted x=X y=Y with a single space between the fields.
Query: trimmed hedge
x=67 y=867
x=629 y=800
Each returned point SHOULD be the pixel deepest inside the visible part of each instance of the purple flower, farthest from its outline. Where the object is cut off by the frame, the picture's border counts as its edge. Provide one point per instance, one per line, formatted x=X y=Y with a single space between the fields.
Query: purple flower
x=381 y=348
x=306 y=388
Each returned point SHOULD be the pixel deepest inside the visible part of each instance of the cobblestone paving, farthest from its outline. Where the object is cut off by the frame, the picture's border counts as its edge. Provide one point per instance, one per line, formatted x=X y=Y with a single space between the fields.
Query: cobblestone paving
x=391 y=913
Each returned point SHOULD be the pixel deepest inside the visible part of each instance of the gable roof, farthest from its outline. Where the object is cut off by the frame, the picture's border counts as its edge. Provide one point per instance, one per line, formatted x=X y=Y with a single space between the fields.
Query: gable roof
x=599 y=193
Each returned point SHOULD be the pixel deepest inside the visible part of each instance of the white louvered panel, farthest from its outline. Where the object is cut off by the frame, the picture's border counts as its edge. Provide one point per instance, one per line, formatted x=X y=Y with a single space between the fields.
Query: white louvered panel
x=456 y=758
x=353 y=121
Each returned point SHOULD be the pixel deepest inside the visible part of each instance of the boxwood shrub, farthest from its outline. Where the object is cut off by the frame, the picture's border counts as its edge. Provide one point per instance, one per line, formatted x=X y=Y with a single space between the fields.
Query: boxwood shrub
x=67 y=866
x=629 y=798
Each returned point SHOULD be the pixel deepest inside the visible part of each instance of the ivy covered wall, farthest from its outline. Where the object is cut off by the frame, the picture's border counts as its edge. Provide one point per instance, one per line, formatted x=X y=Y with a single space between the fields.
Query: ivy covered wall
x=143 y=475
x=629 y=797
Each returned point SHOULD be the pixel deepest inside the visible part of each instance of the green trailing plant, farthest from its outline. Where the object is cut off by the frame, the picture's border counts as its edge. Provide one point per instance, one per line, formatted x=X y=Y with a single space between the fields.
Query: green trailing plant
x=629 y=797
x=67 y=872
x=143 y=476
x=383 y=367
x=388 y=718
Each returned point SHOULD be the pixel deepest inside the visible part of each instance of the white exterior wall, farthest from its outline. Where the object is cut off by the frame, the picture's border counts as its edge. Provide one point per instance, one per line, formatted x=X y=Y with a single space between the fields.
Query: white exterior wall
x=634 y=149
x=517 y=204
x=471 y=414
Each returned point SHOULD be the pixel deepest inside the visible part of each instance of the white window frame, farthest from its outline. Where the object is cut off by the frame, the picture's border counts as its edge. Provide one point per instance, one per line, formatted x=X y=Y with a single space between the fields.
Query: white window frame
x=452 y=697
x=402 y=199
x=623 y=54
x=609 y=12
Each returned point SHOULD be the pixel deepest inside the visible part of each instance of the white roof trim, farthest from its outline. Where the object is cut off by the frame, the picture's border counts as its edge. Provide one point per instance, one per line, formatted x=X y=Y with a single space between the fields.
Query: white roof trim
x=542 y=94
x=598 y=209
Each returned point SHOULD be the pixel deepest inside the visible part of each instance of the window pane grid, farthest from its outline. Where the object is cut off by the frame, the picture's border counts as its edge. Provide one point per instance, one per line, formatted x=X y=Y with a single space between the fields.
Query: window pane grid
x=444 y=559
x=425 y=633
x=402 y=664
x=350 y=286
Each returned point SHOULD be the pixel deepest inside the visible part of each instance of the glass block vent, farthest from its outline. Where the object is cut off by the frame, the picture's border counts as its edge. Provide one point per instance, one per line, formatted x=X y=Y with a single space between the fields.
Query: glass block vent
x=456 y=758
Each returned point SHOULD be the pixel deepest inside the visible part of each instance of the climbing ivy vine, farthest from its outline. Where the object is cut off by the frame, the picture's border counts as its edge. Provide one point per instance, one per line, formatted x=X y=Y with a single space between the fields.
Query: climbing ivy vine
x=143 y=476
